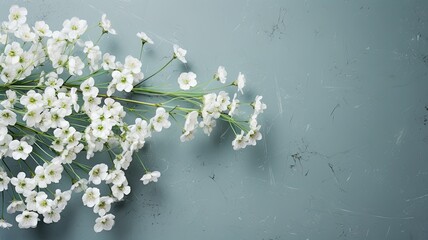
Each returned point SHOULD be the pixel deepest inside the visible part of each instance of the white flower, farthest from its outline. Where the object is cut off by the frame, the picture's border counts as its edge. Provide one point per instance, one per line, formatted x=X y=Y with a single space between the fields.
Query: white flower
x=123 y=81
x=7 y=117
x=20 y=149
x=10 y=101
x=180 y=53
x=233 y=105
x=221 y=74
x=22 y=184
x=32 y=100
x=187 y=136
x=98 y=173
x=105 y=24
x=4 y=181
x=17 y=16
x=74 y=28
x=240 y=82
x=191 y=121
x=223 y=100
x=258 y=105
x=144 y=38
x=150 y=177
x=88 y=88
x=80 y=185
x=33 y=117
x=116 y=177
x=24 y=33
x=13 y=52
x=27 y=219
x=4 y=224
x=239 y=141
x=43 y=204
x=108 y=62
x=41 y=180
x=42 y=29
x=105 y=222
x=91 y=197
x=75 y=66
x=16 y=206
x=253 y=135
x=61 y=199
x=103 y=205
x=52 y=216
x=132 y=64
x=160 y=120
x=187 y=80
x=119 y=191
x=207 y=124
x=9 y=73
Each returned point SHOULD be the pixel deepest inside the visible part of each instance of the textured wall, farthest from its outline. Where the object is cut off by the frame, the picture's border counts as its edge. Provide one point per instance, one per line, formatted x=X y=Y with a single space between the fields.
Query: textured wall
x=344 y=154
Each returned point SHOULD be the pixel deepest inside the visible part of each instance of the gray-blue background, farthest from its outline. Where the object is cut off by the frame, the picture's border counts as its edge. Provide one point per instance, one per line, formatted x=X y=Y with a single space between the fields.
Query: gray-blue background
x=345 y=138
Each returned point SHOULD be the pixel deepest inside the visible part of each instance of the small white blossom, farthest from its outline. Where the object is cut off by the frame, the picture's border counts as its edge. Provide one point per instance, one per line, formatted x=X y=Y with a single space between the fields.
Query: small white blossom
x=27 y=219
x=4 y=224
x=20 y=149
x=187 y=80
x=180 y=53
x=258 y=105
x=105 y=24
x=105 y=222
x=221 y=74
x=74 y=28
x=150 y=177
x=108 y=62
x=22 y=184
x=98 y=173
x=240 y=82
x=91 y=197
x=17 y=16
x=42 y=29
x=123 y=80
x=119 y=191
x=132 y=65
x=103 y=206
x=75 y=66
x=15 y=206
x=43 y=204
x=233 y=105
x=4 y=181
x=160 y=120
x=52 y=216
x=239 y=141
x=144 y=38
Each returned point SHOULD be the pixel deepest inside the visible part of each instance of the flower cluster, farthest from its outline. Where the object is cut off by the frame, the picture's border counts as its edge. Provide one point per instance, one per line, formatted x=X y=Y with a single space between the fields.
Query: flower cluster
x=62 y=98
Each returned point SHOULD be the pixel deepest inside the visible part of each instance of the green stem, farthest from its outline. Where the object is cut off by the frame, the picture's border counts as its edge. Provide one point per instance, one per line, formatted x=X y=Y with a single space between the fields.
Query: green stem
x=154 y=74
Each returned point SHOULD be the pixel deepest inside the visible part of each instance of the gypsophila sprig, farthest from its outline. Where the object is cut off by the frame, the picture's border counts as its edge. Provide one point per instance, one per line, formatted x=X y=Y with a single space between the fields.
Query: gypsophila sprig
x=64 y=98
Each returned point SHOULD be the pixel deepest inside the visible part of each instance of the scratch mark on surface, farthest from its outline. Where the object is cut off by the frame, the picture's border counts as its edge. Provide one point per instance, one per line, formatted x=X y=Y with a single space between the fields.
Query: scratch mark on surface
x=387 y=233
x=374 y=215
x=96 y=9
x=292 y=188
x=416 y=198
x=236 y=28
x=367 y=233
x=399 y=137
x=279 y=97
x=213 y=177
x=271 y=176
x=308 y=126
x=334 y=109
x=349 y=177
x=334 y=174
